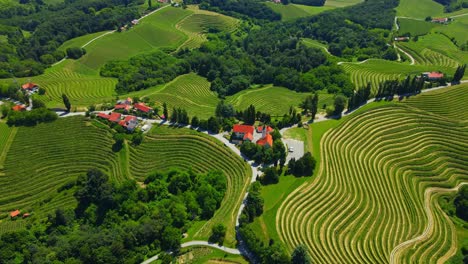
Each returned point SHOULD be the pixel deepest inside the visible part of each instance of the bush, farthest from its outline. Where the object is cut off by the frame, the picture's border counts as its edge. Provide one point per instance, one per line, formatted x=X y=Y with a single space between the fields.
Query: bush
x=75 y=52
x=218 y=232
x=30 y=118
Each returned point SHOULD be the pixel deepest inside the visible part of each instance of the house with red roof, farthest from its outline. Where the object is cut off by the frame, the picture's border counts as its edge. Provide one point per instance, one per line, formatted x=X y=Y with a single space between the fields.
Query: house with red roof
x=103 y=115
x=129 y=122
x=269 y=129
x=25 y=215
x=443 y=20
x=115 y=117
x=14 y=213
x=143 y=108
x=433 y=76
x=125 y=107
x=29 y=86
x=241 y=133
x=266 y=141
x=18 y=108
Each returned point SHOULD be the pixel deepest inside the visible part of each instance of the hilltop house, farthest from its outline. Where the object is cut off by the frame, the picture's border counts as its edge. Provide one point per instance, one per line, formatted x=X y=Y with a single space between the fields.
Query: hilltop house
x=14 y=213
x=143 y=108
x=113 y=117
x=242 y=133
x=433 y=76
x=443 y=20
x=402 y=39
x=18 y=108
x=267 y=139
x=30 y=87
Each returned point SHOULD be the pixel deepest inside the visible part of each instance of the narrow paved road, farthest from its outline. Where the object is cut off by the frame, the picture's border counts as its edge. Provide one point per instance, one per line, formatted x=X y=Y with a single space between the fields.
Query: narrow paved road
x=413 y=61
x=430 y=221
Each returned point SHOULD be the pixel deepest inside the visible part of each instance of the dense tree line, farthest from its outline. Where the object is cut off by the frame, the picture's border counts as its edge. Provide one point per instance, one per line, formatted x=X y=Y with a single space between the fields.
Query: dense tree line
x=310 y=105
x=309 y=2
x=144 y=71
x=118 y=223
x=51 y=25
x=359 y=97
x=180 y=116
x=408 y=86
x=461 y=203
x=262 y=154
x=30 y=118
x=459 y=73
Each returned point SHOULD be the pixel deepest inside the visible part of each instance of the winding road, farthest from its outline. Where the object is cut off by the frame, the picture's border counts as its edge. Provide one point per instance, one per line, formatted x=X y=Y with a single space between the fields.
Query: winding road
x=396 y=252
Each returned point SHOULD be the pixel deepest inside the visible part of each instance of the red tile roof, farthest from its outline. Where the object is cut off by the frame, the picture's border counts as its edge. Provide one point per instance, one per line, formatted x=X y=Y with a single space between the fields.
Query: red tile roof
x=435 y=75
x=18 y=108
x=268 y=128
x=26 y=215
x=123 y=106
x=103 y=115
x=130 y=118
x=114 y=117
x=142 y=107
x=29 y=85
x=243 y=129
x=268 y=140
x=14 y=213
x=248 y=136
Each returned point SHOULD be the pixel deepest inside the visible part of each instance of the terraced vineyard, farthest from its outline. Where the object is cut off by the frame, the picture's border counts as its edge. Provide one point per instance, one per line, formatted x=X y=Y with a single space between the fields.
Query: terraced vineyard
x=374 y=197
x=45 y=157
x=449 y=102
x=430 y=57
x=6 y=137
x=182 y=148
x=376 y=71
x=196 y=25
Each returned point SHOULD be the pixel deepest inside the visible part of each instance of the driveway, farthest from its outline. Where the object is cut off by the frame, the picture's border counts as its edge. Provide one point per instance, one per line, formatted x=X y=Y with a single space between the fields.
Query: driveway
x=298 y=149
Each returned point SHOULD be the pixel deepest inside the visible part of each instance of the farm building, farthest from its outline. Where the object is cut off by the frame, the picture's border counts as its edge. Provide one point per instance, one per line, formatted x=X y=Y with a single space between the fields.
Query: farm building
x=128 y=101
x=143 y=108
x=14 y=214
x=440 y=20
x=129 y=122
x=433 y=76
x=402 y=39
x=276 y=1
x=25 y=215
x=135 y=21
x=242 y=133
x=113 y=117
x=124 y=107
x=18 y=108
x=30 y=86
x=269 y=129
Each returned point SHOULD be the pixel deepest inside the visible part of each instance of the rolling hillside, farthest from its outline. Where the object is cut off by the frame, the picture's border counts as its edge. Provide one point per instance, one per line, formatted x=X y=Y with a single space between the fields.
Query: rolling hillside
x=374 y=196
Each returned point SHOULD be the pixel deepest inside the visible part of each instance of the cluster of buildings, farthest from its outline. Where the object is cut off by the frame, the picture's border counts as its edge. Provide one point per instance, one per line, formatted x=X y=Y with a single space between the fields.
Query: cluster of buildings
x=432 y=76
x=262 y=136
x=30 y=87
x=443 y=20
x=128 y=122
x=17 y=213
x=127 y=105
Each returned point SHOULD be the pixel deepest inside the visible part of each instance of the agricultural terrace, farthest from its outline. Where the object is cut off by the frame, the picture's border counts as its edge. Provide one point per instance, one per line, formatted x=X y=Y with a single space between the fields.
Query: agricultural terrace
x=154 y=31
x=273 y=100
x=43 y=158
x=196 y=25
x=6 y=137
x=293 y=11
x=419 y=8
x=376 y=71
x=449 y=102
x=435 y=49
x=377 y=185
x=167 y=147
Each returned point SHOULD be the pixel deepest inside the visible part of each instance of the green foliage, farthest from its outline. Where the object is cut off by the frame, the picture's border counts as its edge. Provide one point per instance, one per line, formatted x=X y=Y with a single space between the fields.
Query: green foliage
x=359 y=97
x=300 y=255
x=339 y=104
x=75 y=52
x=144 y=71
x=459 y=73
x=310 y=104
x=31 y=118
x=461 y=203
x=66 y=102
x=218 y=232
x=302 y=167
x=270 y=176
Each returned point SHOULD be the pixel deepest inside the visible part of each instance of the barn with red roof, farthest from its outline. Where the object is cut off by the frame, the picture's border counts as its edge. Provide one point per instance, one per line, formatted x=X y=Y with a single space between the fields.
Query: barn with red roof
x=143 y=108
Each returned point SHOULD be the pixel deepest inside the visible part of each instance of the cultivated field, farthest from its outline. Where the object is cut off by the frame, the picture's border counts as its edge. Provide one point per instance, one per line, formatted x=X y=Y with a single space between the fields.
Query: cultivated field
x=415 y=27
x=419 y=8
x=45 y=157
x=293 y=11
x=196 y=25
x=456 y=29
x=375 y=71
x=166 y=148
x=374 y=197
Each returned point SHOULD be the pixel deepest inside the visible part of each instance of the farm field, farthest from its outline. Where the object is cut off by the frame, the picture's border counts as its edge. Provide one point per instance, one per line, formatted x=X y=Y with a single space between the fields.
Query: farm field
x=43 y=158
x=196 y=25
x=182 y=148
x=293 y=11
x=155 y=31
x=419 y=8
x=80 y=41
x=405 y=157
x=415 y=27
x=376 y=71
x=201 y=255
x=456 y=29
x=435 y=49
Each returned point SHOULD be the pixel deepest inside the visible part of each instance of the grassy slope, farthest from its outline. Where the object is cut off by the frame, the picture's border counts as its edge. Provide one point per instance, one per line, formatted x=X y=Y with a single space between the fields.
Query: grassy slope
x=43 y=158
x=456 y=29
x=155 y=31
x=183 y=148
x=199 y=255
x=80 y=41
x=419 y=8
x=293 y=11
x=304 y=221
x=415 y=27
